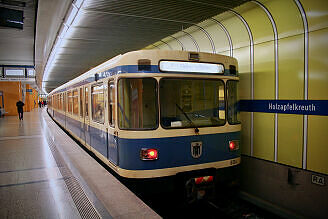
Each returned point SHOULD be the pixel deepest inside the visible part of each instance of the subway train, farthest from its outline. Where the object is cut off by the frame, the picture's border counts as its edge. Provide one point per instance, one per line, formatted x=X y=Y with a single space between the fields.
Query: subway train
x=153 y=114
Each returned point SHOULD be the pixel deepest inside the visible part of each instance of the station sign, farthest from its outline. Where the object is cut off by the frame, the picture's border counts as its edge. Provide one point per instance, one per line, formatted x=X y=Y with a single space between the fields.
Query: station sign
x=303 y=107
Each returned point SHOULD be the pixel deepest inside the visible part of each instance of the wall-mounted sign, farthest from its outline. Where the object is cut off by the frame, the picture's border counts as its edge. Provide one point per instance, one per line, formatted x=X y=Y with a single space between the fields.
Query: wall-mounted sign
x=319 y=180
x=304 y=107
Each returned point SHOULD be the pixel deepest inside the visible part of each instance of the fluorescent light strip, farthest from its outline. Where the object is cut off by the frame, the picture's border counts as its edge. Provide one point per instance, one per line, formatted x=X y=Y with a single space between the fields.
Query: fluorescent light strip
x=102 y=67
x=70 y=17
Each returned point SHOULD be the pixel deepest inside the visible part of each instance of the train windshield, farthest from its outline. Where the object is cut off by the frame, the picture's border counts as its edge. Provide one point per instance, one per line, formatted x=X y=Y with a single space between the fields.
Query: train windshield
x=137 y=103
x=192 y=102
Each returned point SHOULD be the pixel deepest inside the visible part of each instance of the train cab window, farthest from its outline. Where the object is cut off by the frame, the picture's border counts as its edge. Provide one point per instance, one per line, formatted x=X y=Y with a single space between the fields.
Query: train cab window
x=233 y=109
x=75 y=103
x=111 y=103
x=81 y=102
x=137 y=103
x=187 y=103
x=97 y=101
x=86 y=100
x=70 y=101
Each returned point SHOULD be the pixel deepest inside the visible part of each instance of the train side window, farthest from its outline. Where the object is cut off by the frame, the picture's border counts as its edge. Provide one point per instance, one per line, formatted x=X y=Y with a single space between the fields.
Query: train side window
x=233 y=108
x=75 y=103
x=86 y=100
x=111 y=103
x=81 y=102
x=55 y=101
x=97 y=101
x=65 y=102
x=69 y=101
x=137 y=103
x=62 y=101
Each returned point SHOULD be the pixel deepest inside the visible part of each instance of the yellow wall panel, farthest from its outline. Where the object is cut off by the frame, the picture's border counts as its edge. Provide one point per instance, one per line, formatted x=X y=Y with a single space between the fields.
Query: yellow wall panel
x=318 y=90
x=258 y=21
x=291 y=87
x=291 y=68
x=162 y=46
x=290 y=139
x=264 y=75
x=187 y=42
x=317 y=144
x=242 y=55
x=316 y=12
x=286 y=16
x=264 y=136
x=245 y=118
x=172 y=42
x=203 y=41
x=236 y=29
x=318 y=65
x=219 y=38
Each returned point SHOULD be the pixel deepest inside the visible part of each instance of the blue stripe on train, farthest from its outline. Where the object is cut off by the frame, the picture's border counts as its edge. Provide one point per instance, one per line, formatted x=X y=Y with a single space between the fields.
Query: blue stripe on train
x=173 y=151
x=94 y=137
x=176 y=151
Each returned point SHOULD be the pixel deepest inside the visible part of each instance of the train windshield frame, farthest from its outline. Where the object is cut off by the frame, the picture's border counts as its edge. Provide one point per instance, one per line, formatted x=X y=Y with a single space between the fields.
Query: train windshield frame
x=192 y=102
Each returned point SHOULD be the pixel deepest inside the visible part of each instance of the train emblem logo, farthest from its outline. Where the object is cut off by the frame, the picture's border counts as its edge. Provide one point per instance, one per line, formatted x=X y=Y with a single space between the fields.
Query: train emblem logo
x=196 y=149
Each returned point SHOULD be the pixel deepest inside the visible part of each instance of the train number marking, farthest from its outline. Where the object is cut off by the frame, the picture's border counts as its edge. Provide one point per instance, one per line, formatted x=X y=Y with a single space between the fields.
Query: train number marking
x=233 y=162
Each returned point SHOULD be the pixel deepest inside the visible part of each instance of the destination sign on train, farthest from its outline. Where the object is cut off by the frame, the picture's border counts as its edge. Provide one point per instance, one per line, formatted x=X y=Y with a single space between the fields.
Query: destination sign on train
x=194 y=67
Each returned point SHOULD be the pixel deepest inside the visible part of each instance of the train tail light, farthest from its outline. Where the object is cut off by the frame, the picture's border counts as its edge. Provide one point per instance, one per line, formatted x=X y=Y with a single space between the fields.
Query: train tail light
x=148 y=154
x=234 y=145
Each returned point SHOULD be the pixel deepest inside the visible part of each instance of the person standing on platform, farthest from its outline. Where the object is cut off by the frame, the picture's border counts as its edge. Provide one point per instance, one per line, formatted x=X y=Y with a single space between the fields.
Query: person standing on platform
x=20 y=105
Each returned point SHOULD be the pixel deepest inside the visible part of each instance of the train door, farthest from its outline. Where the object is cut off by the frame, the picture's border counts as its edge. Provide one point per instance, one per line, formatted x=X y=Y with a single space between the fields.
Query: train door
x=86 y=118
x=112 y=130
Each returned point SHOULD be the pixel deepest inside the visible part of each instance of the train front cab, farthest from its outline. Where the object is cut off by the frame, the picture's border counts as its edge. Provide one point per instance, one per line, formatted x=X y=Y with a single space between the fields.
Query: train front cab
x=189 y=122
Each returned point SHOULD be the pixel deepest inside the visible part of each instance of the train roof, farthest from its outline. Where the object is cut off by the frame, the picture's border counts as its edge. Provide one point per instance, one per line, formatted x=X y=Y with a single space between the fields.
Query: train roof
x=131 y=58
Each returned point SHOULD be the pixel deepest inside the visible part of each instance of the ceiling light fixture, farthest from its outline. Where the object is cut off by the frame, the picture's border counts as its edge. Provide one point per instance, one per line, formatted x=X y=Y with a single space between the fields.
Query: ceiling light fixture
x=65 y=26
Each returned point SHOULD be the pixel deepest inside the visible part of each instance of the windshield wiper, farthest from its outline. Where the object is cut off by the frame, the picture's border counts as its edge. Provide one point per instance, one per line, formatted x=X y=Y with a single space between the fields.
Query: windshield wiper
x=191 y=122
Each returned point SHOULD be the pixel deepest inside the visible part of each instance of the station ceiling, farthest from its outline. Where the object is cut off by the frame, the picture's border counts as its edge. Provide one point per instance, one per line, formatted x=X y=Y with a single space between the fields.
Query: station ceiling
x=17 y=45
x=101 y=30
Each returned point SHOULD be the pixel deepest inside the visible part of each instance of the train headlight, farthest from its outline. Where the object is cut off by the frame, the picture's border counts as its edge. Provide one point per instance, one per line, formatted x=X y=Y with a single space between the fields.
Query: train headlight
x=148 y=154
x=234 y=145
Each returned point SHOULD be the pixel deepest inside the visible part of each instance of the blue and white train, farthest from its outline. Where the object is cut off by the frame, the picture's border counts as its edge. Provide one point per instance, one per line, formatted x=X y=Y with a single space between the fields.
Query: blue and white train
x=156 y=114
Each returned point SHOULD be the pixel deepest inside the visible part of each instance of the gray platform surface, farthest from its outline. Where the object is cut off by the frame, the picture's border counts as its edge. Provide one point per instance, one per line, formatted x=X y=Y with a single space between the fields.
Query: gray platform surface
x=45 y=174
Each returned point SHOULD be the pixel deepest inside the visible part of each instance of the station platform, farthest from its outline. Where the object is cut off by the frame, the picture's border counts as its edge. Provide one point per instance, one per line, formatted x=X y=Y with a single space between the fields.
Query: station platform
x=45 y=174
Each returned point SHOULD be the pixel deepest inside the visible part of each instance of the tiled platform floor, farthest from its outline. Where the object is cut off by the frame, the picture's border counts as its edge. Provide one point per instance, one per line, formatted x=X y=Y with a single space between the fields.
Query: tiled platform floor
x=31 y=181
